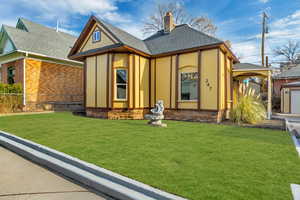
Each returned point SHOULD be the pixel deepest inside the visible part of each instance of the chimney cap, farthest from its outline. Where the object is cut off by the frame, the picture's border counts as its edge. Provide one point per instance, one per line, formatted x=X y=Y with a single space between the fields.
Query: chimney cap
x=169 y=13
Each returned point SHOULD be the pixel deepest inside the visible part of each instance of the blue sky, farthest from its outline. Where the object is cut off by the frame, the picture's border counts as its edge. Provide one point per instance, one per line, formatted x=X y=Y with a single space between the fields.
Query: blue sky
x=237 y=21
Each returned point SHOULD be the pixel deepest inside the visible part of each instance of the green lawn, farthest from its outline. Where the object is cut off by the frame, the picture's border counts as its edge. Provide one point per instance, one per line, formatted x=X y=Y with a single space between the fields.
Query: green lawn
x=194 y=160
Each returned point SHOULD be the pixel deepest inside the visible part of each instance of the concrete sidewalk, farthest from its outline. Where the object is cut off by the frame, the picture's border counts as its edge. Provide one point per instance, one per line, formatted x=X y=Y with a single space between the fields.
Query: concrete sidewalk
x=23 y=180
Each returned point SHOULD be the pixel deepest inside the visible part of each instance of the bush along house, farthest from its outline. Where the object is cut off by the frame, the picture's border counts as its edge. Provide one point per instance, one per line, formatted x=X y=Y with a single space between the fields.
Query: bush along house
x=35 y=56
x=124 y=76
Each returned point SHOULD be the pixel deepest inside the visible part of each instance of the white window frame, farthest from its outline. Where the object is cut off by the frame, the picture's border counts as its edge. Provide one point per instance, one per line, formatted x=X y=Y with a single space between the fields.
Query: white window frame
x=179 y=87
x=96 y=33
x=116 y=84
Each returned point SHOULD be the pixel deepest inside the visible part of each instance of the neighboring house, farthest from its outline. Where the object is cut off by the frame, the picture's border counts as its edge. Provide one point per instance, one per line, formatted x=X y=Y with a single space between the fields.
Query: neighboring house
x=290 y=98
x=125 y=76
x=36 y=57
x=288 y=76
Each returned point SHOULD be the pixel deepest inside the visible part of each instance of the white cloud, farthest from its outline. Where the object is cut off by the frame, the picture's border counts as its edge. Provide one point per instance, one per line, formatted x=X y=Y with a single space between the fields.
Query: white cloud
x=281 y=31
x=134 y=29
x=264 y=1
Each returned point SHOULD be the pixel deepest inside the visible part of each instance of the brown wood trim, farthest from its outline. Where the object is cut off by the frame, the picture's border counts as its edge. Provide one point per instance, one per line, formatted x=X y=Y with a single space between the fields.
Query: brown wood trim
x=107 y=29
x=128 y=81
x=107 y=81
x=86 y=30
x=96 y=52
x=82 y=36
x=84 y=83
x=218 y=79
x=199 y=79
x=231 y=84
x=150 y=83
x=112 y=80
x=89 y=35
x=171 y=66
x=154 y=82
x=96 y=81
x=190 y=50
x=134 y=75
x=139 y=78
x=226 y=87
x=176 y=81
x=136 y=51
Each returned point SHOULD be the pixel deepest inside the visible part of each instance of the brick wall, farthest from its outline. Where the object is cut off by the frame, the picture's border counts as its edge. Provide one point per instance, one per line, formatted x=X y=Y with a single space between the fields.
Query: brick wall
x=18 y=64
x=50 y=82
x=279 y=82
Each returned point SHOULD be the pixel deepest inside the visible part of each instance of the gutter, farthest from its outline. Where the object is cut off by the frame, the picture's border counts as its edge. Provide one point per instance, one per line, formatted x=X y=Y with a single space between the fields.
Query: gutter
x=42 y=55
x=24 y=79
x=27 y=53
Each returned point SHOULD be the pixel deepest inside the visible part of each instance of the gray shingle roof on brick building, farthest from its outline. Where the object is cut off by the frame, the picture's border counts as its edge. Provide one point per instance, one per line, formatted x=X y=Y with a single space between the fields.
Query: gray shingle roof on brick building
x=40 y=39
x=294 y=72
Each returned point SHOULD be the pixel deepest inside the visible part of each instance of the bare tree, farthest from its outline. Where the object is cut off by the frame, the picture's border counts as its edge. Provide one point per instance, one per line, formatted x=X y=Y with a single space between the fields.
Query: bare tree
x=290 y=51
x=156 y=21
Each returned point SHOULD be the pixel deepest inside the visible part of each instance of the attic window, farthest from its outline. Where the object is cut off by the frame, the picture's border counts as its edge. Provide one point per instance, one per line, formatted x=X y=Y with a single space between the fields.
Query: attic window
x=96 y=36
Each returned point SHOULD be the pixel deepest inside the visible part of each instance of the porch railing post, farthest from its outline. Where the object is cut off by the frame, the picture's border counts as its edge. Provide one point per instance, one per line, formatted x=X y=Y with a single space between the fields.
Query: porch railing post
x=269 y=95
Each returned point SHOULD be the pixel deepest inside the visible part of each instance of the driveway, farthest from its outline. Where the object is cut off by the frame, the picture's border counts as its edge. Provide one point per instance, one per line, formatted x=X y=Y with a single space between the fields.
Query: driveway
x=21 y=179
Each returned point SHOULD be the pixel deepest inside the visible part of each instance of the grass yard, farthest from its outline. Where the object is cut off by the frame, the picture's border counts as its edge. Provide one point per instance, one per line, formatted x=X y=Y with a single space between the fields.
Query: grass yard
x=194 y=160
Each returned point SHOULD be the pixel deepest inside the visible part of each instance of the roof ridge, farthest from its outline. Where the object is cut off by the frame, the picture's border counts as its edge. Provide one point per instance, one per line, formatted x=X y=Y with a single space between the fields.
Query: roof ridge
x=43 y=26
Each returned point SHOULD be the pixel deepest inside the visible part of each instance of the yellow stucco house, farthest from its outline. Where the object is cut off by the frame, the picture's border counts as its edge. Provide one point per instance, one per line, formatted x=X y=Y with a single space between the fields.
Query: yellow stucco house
x=125 y=76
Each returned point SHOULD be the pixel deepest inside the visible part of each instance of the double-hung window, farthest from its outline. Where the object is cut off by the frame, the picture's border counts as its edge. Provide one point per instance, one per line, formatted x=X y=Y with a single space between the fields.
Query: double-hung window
x=188 y=86
x=121 y=84
x=96 y=36
x=11 y=72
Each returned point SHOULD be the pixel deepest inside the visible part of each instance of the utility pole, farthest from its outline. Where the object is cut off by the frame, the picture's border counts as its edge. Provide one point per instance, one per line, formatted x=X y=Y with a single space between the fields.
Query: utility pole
x=264 y=31
x=57 y=25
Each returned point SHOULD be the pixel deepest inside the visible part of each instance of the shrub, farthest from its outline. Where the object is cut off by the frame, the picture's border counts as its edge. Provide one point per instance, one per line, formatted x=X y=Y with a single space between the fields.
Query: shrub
x=249 y=108
x=10 y=98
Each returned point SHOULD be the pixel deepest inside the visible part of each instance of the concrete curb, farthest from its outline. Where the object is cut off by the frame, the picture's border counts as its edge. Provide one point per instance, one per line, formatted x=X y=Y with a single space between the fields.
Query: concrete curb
x=295 y=191
x=98 y=178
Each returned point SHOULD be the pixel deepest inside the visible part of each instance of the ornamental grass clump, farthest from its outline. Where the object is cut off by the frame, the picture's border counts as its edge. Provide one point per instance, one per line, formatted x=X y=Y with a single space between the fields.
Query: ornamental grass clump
x=249 y=108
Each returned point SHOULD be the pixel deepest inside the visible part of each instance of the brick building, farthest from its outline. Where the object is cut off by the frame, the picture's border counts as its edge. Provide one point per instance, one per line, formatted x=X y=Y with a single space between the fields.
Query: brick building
x=288 y=76
x=36 y=57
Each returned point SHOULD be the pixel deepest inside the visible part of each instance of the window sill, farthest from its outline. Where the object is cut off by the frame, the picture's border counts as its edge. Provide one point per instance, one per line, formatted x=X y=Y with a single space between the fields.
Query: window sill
x=187 y=101
x=120 y=100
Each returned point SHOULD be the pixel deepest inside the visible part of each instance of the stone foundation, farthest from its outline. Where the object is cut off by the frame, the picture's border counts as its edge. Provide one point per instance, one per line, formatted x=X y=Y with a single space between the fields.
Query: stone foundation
x=116 y=113
x=181 y=115
x=55 y=106
x=194 y=115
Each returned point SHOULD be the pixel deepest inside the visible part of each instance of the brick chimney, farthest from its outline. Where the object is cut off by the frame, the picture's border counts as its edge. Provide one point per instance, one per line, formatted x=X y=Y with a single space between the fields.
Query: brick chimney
x=168 y=22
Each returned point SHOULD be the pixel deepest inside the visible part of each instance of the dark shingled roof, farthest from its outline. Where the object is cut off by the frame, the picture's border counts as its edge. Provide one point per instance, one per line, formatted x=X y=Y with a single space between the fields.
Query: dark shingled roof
x=291 y=73
x=181 y=37
x=292 y=84
x=241 y=66
x=40 y=39
x=126 y=38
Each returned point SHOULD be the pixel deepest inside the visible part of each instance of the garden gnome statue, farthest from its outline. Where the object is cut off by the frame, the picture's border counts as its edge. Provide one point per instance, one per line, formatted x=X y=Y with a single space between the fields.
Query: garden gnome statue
x=157 y=115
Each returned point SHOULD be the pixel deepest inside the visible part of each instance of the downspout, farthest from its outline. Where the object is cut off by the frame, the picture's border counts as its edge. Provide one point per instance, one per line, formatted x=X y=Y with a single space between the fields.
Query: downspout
x=24 y=79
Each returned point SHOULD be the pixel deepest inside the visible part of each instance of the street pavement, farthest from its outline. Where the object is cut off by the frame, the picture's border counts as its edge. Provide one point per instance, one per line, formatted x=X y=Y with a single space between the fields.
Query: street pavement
x=21 y=179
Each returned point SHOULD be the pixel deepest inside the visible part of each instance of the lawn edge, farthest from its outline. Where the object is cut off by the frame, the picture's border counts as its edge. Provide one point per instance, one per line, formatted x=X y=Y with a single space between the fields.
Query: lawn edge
x=98 y=178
